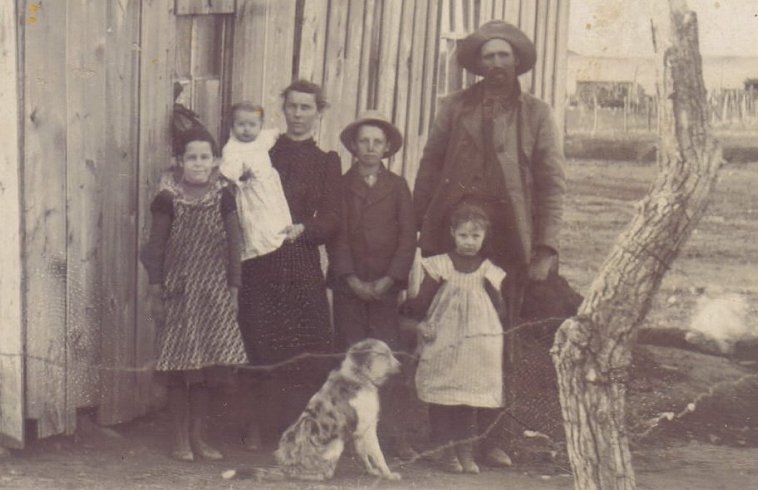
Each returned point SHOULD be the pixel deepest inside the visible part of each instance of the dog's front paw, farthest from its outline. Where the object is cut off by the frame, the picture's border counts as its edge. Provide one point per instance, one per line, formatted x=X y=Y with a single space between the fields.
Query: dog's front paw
x=392 y=476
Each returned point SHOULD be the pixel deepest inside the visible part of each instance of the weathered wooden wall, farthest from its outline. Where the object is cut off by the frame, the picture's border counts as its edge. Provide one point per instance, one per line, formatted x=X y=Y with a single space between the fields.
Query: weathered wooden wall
x=372 y=54
x=11 y=314
x=93 y=136
x=92 y=70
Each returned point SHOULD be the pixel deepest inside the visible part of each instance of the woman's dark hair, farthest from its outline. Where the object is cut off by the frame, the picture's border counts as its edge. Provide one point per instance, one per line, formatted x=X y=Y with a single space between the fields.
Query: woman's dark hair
x=466 y=212
x=196 y=134
x=307 y=87
x=246 y=107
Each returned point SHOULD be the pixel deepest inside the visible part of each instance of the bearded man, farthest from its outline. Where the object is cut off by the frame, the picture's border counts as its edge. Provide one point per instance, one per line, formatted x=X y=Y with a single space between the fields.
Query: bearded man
x=498 y=148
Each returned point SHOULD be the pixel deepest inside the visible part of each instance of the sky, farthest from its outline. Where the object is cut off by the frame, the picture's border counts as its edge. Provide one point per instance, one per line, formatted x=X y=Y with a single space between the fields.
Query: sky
x=622 y=27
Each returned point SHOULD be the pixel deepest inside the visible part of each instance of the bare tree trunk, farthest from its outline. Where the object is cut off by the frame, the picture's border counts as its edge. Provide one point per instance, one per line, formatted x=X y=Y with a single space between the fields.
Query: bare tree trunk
x=592 y=350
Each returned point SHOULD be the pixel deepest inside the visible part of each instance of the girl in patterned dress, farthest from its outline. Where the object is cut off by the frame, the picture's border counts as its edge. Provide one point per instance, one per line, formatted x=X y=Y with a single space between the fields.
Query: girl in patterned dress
x=192 y=260
x=460 y=366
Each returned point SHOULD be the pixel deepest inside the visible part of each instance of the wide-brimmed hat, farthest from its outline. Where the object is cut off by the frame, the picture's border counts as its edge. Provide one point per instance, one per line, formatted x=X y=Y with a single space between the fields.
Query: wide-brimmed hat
x=469 y=48
x=394 y=137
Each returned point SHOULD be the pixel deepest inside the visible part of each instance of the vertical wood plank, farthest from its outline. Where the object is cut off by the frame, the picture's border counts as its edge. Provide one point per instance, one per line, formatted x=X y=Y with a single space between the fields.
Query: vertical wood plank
x=344 y=105
x=527 y=24
x=549 y=53
x=392 y=11
x=402 y=87
x=206 y=95
x=249 y=48
x=334 y=119
x=561 y=57
x=412 y=150
x=430 y=69
x=198 y=7
x=155 y=106
x=11 y=313
x=458 y=25
x=126 y=343
x=280 y=39
x=486 y=11
x=44 y=209
x=512 y=11
x=539 y=44
x=498 y=9
x=183 y=51
x=447 y=25
x=85 y=150
x=313 y=40
x=366 y=44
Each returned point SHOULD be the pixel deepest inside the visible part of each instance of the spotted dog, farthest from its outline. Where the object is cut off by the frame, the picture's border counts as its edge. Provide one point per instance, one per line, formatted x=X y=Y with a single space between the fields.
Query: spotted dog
x=346 y=408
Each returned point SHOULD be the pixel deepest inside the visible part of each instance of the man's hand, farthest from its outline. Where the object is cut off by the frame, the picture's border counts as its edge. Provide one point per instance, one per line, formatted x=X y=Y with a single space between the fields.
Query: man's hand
x=543 y=261
x=427 y=332
x=381 y=286
x=361 y=289
x=155 y=304
x=293 y=232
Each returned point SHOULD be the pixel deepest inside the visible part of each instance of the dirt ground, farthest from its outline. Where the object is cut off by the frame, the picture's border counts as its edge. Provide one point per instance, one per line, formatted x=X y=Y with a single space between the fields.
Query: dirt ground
x=714 y=446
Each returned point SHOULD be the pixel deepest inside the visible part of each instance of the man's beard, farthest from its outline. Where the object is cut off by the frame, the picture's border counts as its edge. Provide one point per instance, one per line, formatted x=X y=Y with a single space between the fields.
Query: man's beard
x=501 y=78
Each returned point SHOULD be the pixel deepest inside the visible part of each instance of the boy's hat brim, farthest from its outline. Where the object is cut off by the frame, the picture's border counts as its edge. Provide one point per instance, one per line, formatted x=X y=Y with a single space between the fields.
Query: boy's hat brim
x=394 y=137
x=468 y=52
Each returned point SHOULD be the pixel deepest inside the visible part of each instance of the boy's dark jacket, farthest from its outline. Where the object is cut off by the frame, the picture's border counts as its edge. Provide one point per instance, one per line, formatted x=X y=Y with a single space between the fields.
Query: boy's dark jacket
x=377 y=235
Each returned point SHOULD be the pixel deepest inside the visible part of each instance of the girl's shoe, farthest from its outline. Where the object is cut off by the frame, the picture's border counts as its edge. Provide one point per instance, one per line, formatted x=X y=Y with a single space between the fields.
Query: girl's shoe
x=203 y=449
x=183 y=454
x=449 y=461
x=497 y=457
x=465 y=452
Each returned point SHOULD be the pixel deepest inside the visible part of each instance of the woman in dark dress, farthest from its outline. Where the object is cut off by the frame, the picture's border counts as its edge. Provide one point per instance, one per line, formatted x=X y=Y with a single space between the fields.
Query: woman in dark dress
x=283 y=309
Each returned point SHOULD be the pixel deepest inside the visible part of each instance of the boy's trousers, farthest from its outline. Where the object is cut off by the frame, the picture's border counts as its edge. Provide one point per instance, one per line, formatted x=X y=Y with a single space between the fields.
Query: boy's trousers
x=354 y=320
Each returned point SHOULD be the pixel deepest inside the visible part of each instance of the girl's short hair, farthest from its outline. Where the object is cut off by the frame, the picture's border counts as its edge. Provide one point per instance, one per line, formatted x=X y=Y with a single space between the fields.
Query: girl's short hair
x=467 y=212
x=196 y=134
x=307 y=87
x=246 y=106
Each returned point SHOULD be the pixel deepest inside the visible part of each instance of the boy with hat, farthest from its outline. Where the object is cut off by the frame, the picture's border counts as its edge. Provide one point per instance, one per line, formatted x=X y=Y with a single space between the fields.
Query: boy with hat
x=371 y=256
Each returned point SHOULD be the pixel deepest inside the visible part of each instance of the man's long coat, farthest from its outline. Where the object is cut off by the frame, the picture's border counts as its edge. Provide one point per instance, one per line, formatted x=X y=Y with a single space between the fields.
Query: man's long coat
x=453 y=168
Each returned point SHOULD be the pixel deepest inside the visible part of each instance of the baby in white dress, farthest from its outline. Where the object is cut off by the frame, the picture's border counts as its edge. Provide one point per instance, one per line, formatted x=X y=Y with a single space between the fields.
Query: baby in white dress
x=263 y=210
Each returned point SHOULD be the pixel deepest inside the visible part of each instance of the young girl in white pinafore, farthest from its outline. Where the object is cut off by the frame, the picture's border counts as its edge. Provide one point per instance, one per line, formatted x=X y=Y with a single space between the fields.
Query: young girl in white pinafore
x=263 y=211
x=460 y=366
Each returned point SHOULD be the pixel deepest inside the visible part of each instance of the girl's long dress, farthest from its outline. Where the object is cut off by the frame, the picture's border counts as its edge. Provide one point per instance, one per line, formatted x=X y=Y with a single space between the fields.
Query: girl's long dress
x=463 y=364
x=201 y=326
x=283 y=306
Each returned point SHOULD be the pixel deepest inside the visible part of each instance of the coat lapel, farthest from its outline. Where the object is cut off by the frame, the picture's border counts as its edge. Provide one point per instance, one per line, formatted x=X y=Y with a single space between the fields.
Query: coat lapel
x=370 y=195
x=356 y=184
x=471 y=114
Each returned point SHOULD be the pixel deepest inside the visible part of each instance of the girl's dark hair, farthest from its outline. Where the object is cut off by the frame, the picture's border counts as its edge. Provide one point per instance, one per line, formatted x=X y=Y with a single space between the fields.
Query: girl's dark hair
x=307 y=87
x=469 y=212
x=246 y=107
x=196 y=134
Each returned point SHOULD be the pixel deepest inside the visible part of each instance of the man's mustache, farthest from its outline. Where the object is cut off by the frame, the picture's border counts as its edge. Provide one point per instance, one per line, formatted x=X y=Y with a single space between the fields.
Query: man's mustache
x=501 y=77
x=500 y=72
